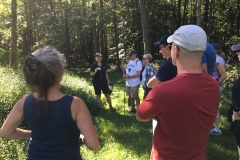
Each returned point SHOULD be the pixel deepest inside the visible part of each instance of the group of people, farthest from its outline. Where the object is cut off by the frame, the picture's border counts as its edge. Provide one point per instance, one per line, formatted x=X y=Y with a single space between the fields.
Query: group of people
x=182 y=99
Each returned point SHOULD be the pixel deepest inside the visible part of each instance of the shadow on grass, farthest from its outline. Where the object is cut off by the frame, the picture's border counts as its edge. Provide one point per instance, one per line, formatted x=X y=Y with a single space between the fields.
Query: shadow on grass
x=134 y=136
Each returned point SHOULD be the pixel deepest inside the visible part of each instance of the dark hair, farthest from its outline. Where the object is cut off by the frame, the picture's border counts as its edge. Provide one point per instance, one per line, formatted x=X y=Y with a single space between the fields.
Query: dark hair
x=42 y=69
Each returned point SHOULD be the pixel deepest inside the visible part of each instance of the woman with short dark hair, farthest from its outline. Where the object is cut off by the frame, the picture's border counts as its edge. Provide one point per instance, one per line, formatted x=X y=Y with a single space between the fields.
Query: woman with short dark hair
x=101 y=82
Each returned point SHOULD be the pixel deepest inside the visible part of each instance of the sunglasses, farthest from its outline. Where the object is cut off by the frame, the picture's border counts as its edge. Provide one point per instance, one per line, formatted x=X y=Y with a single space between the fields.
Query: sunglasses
x=144 y=58
x=238 y=51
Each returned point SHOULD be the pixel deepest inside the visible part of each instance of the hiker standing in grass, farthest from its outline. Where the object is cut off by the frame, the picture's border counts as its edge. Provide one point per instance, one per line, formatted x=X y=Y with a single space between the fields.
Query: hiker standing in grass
x=132 y=76
x=147 y=73
x=55 y=119
x=166 y=70
x=219 y=73
x=181 y=105
x=98 y=72
x=124 y=65
x=234 y=112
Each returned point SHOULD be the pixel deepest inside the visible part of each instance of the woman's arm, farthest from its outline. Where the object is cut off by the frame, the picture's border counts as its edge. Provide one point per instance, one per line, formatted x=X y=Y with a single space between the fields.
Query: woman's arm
x=92 y=74
x=9 y=128
x=107 y=77
x=82 y=116
x=222 y=71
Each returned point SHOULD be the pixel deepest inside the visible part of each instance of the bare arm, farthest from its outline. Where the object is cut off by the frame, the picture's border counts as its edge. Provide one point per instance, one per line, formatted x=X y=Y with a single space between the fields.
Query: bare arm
x=82 y=116
x=132 y=76
x=9 y=128
x=222 y=72
x=107 y=77
x=204 y=67
x=153 y=82
x=140 y=119
x=92 y=74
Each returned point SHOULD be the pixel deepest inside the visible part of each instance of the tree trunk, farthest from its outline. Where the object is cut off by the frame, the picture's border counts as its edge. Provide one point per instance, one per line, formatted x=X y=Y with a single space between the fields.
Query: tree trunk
x=101 y=30
x=179 y=13
x=206 y=15
x=116 y=32
x=199 y=12
x=185 y=12
x=94 y=32
x=144 y=26
x=67 y=35
x=14 y=34
x=238 y=21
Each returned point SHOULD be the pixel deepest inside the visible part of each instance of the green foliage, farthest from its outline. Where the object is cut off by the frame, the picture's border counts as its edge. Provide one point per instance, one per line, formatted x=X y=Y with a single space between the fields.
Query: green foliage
x=5 y=57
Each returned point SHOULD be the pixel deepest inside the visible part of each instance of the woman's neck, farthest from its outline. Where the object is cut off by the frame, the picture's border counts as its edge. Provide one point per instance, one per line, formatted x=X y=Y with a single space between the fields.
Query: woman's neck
x=99 y=63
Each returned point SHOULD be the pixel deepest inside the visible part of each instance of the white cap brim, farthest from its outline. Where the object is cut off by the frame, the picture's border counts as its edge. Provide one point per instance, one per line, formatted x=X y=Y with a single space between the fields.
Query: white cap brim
x=170 y=39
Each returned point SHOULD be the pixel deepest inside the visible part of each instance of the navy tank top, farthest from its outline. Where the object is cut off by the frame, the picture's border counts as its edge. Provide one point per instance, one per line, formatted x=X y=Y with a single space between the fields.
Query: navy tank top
x=55 y=135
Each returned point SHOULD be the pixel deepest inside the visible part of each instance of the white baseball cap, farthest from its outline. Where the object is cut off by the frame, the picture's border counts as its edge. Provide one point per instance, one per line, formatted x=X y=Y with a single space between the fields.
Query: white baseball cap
x=190 y=37
x=98 y=54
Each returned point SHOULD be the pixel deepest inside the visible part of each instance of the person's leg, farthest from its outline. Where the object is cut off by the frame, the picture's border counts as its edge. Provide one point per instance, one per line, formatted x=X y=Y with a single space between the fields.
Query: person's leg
x=97 y=90
x=134 y=97
x=109 y=101
x=217 y=120
x=106 y=92
x=216 y=130
x=99 y=101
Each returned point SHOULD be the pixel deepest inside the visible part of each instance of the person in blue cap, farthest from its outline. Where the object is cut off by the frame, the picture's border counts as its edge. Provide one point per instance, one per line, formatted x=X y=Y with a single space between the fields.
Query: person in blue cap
x=166 y=70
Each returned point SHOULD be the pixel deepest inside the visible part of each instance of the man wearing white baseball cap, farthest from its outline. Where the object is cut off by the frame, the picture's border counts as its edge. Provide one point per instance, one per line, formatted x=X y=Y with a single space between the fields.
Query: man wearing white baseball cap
x=181 y=106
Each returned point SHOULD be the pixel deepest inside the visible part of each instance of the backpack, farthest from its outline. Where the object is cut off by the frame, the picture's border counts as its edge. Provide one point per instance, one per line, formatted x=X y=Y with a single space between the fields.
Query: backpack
x=143 y=67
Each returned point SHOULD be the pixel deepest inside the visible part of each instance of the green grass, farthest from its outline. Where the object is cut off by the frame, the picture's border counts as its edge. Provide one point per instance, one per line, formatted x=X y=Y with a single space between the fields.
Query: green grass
x=122 y=137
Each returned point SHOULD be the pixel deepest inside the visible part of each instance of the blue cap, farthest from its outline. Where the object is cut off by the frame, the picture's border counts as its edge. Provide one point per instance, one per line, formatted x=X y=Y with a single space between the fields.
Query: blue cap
x=132 y=52
x=217 y=46
x=236 y=47
x=163 y=40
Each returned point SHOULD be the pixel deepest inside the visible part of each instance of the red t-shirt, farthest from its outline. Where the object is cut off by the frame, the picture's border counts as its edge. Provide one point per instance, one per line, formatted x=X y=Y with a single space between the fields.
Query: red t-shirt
x=185 y=108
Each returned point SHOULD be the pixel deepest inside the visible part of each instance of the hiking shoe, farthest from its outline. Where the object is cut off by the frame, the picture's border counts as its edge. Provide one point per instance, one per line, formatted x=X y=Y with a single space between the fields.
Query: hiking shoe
x=112 y=110
x=215 y=132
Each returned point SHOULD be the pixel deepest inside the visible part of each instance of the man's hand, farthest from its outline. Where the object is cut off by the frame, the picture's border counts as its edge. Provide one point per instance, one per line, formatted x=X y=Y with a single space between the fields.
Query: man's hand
x=125 y=76
x=95 y=70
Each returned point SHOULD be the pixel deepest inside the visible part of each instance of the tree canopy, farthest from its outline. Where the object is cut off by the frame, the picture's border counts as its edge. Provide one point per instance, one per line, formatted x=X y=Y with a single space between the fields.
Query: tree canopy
x=80 y=28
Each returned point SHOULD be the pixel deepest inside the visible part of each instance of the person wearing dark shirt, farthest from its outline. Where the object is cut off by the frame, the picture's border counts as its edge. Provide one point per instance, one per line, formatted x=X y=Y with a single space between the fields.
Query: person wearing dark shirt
x=234 y=112
x=166 y=71
x=98 y=72
x=54 y=118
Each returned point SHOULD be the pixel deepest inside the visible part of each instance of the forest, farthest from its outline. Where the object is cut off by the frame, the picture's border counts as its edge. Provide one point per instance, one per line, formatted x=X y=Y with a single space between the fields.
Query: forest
x=80 y=28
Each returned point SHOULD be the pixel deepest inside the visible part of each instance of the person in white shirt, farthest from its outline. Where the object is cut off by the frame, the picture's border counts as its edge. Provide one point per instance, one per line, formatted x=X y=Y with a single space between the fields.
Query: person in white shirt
x=132 y=76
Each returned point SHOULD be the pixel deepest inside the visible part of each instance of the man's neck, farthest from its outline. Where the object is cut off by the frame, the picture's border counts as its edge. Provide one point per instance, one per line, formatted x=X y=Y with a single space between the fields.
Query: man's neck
x=193 y=67
x=99 y=63
x=134 y=59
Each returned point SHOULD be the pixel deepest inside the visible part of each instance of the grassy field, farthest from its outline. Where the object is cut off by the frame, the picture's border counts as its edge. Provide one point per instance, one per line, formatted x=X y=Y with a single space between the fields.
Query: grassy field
x=122 y=137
